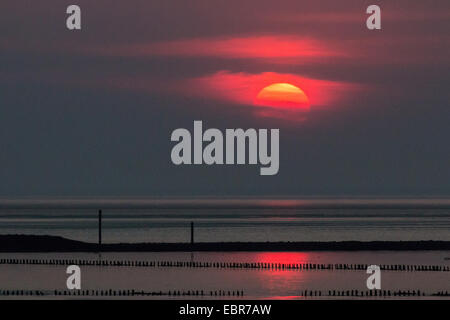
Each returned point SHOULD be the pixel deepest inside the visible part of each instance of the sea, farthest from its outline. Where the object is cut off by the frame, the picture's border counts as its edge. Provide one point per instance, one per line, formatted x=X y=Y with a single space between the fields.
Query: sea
x=218 y=220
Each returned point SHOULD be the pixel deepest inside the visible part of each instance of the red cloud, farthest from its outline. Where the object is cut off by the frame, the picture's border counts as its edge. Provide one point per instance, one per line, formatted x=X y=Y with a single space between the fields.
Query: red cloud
x=242 y=88
x=259 y=47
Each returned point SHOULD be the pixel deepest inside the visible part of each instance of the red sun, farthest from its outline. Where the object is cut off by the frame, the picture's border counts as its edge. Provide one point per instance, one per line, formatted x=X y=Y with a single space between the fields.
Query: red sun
x=283 y=95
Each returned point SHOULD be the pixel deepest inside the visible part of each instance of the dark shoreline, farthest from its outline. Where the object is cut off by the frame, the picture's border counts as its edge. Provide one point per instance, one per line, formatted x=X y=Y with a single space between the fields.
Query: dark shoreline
x=31 y=243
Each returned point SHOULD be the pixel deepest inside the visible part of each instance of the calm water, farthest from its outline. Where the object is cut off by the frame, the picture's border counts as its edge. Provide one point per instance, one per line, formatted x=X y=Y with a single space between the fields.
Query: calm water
x=138 y=220
x=259 y=284
x=264 y=220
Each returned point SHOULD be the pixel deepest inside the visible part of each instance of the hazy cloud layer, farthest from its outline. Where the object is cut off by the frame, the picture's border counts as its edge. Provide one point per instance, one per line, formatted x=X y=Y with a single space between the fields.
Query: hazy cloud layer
x=91 y=112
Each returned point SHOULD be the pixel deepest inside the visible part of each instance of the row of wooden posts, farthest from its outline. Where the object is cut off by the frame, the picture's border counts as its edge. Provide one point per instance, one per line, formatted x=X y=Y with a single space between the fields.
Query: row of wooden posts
x=223 y=265
x=366 y=293
x=371 y=293
x=123 y=293
x=218 y=293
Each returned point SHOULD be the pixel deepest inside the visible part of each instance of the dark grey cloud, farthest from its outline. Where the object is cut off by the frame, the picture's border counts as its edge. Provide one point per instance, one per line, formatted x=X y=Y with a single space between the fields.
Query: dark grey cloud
x=65 y=130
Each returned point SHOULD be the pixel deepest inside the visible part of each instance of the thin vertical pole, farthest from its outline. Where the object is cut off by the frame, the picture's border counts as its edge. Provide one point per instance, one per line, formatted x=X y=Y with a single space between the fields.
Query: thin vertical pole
x=99 y=228
x=192 y=232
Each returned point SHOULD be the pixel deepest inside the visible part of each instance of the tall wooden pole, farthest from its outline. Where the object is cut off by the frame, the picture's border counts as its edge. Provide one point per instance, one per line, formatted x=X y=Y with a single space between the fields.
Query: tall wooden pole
x=99 y=229
x=192 y=232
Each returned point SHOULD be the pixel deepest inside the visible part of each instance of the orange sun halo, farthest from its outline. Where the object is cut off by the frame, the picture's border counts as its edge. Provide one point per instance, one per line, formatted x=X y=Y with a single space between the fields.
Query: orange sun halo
x=283 y=95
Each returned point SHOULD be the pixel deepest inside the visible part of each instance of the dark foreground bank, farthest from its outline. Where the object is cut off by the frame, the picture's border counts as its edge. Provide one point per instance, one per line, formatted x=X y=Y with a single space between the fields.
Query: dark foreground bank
x=31 y=243
x=225 y=309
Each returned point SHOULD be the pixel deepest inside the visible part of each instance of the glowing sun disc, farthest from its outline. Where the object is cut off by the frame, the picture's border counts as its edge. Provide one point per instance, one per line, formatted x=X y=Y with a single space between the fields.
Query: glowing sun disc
x=283 y=95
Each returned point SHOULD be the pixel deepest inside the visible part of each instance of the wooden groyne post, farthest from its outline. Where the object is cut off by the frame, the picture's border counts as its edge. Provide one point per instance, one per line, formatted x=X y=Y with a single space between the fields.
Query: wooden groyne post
x=192 y=232
x=99 y=230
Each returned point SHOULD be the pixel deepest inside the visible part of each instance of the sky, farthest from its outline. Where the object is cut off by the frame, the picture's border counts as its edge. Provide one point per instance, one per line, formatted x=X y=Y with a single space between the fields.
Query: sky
x=90 y=112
